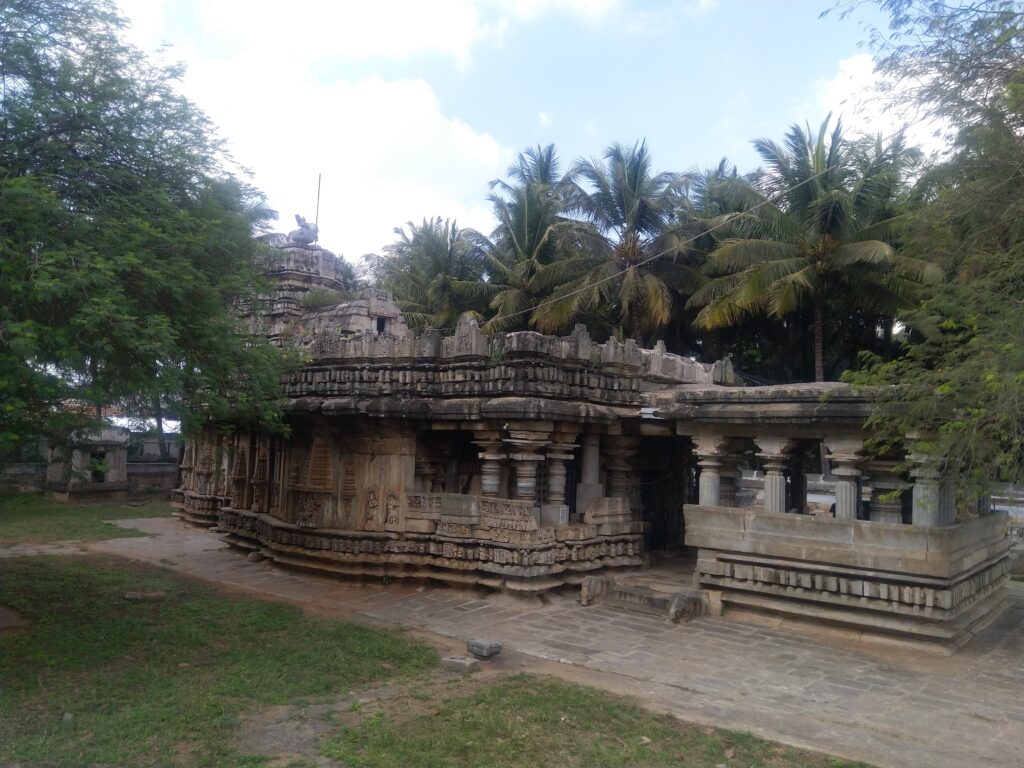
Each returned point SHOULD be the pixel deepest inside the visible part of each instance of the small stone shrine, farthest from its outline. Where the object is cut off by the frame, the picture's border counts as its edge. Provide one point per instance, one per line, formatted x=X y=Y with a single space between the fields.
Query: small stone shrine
x=524 y=462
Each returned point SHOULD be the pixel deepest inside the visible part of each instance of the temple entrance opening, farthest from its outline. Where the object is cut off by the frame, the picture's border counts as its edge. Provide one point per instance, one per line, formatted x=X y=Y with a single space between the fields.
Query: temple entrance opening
x=666 y=483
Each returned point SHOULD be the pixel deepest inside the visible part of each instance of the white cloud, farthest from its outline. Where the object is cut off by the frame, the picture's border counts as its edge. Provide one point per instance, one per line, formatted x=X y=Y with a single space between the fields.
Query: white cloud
x=543 y=119
x=589 y=10
x=387 y=149
x=307 y=30
x=853 y=92
x=311 y=30
x=702 y=6
x=145 y=25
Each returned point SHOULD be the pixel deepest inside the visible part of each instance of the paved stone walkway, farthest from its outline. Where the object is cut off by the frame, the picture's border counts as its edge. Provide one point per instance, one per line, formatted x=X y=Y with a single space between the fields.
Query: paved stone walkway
x=883 y=705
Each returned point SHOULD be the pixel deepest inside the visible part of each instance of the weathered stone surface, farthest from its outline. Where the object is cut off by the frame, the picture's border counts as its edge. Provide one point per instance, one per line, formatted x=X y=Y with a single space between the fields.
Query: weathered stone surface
x=483 y=649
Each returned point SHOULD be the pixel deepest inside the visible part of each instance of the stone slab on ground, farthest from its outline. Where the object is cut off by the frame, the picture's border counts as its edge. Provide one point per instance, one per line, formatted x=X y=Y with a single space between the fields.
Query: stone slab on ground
x=464 y=664
x=879 y=704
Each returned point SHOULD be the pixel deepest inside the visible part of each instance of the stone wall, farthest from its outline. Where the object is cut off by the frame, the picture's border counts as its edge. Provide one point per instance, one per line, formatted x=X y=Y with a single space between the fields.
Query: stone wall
x=22 y=477
x=932 y=583
x=152 y=477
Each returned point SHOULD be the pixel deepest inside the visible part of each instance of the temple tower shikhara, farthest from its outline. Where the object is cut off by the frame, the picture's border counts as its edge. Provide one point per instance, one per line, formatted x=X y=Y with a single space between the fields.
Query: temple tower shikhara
x=524 y=462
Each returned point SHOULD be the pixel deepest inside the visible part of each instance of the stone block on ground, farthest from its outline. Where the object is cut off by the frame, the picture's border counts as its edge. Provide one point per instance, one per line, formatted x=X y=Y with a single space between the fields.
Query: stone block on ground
x=483 y=649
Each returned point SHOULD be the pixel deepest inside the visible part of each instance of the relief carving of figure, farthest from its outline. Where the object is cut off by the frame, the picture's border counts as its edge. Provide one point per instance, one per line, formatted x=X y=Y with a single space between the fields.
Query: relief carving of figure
x=391 y=521
x=309 y=508
x=370 y=522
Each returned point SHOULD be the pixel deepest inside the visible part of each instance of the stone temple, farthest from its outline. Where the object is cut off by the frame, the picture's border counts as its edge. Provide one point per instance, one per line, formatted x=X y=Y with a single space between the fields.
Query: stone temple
x=525 y=463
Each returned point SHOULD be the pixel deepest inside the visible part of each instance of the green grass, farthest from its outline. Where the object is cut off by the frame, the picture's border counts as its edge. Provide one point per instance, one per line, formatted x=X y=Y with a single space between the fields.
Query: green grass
x=160 y=683
x=33 y=518
x=529 y=722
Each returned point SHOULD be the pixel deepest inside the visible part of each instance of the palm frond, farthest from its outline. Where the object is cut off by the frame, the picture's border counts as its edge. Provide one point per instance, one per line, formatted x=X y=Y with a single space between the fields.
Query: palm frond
x=737 y=255
x=873 y=252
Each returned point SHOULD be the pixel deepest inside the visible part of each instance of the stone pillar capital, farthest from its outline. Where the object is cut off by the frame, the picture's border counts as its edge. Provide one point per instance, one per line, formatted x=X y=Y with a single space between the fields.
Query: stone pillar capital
x=774 y=448
x=709 y=445
x=924 y=465
x=561 y=451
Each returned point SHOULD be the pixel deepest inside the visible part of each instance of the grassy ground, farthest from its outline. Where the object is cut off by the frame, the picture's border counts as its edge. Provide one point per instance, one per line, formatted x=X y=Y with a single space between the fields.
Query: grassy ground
x=193 y=678
x=33 y=518
x=524 y=721
x=96 y=679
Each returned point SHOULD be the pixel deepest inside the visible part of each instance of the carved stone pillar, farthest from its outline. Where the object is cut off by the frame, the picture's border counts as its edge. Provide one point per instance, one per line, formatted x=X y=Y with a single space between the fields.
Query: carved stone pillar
x=590 y=459
x=526 y=475
x=947 y=500
x=433 y=475
x=927 y=507
x=491 y=458
x=259 y=479
x=709 y=449
x=187 y=464
x=589 y=486
x=619 y=455
x=525 y=452
x=773 y=453
x=845 y=456
x=557 y=455
x=885 y=505
x=729 y=480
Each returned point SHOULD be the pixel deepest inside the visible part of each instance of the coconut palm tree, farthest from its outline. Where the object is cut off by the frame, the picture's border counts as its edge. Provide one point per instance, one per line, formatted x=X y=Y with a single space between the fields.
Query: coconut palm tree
x=428 y=270
x=811 y=233
x=536 y=247
x=632 y=213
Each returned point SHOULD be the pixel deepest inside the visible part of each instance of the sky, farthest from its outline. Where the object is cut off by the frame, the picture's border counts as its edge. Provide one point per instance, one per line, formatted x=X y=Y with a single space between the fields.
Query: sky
x=409 y=108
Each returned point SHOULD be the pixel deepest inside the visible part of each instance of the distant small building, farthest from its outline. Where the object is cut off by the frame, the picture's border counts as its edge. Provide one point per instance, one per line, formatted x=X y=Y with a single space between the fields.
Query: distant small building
x=92 y=465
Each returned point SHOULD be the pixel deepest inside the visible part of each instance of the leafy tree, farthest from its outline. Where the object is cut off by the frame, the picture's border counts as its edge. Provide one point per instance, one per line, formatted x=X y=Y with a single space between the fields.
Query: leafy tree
x=960 y=386
x=808 y=235
x=124 y=241
x=433 y=270
x=633 y=211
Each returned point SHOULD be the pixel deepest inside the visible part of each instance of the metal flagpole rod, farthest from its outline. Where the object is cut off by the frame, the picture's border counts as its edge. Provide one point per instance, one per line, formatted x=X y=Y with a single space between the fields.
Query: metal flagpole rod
x=316 y=221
